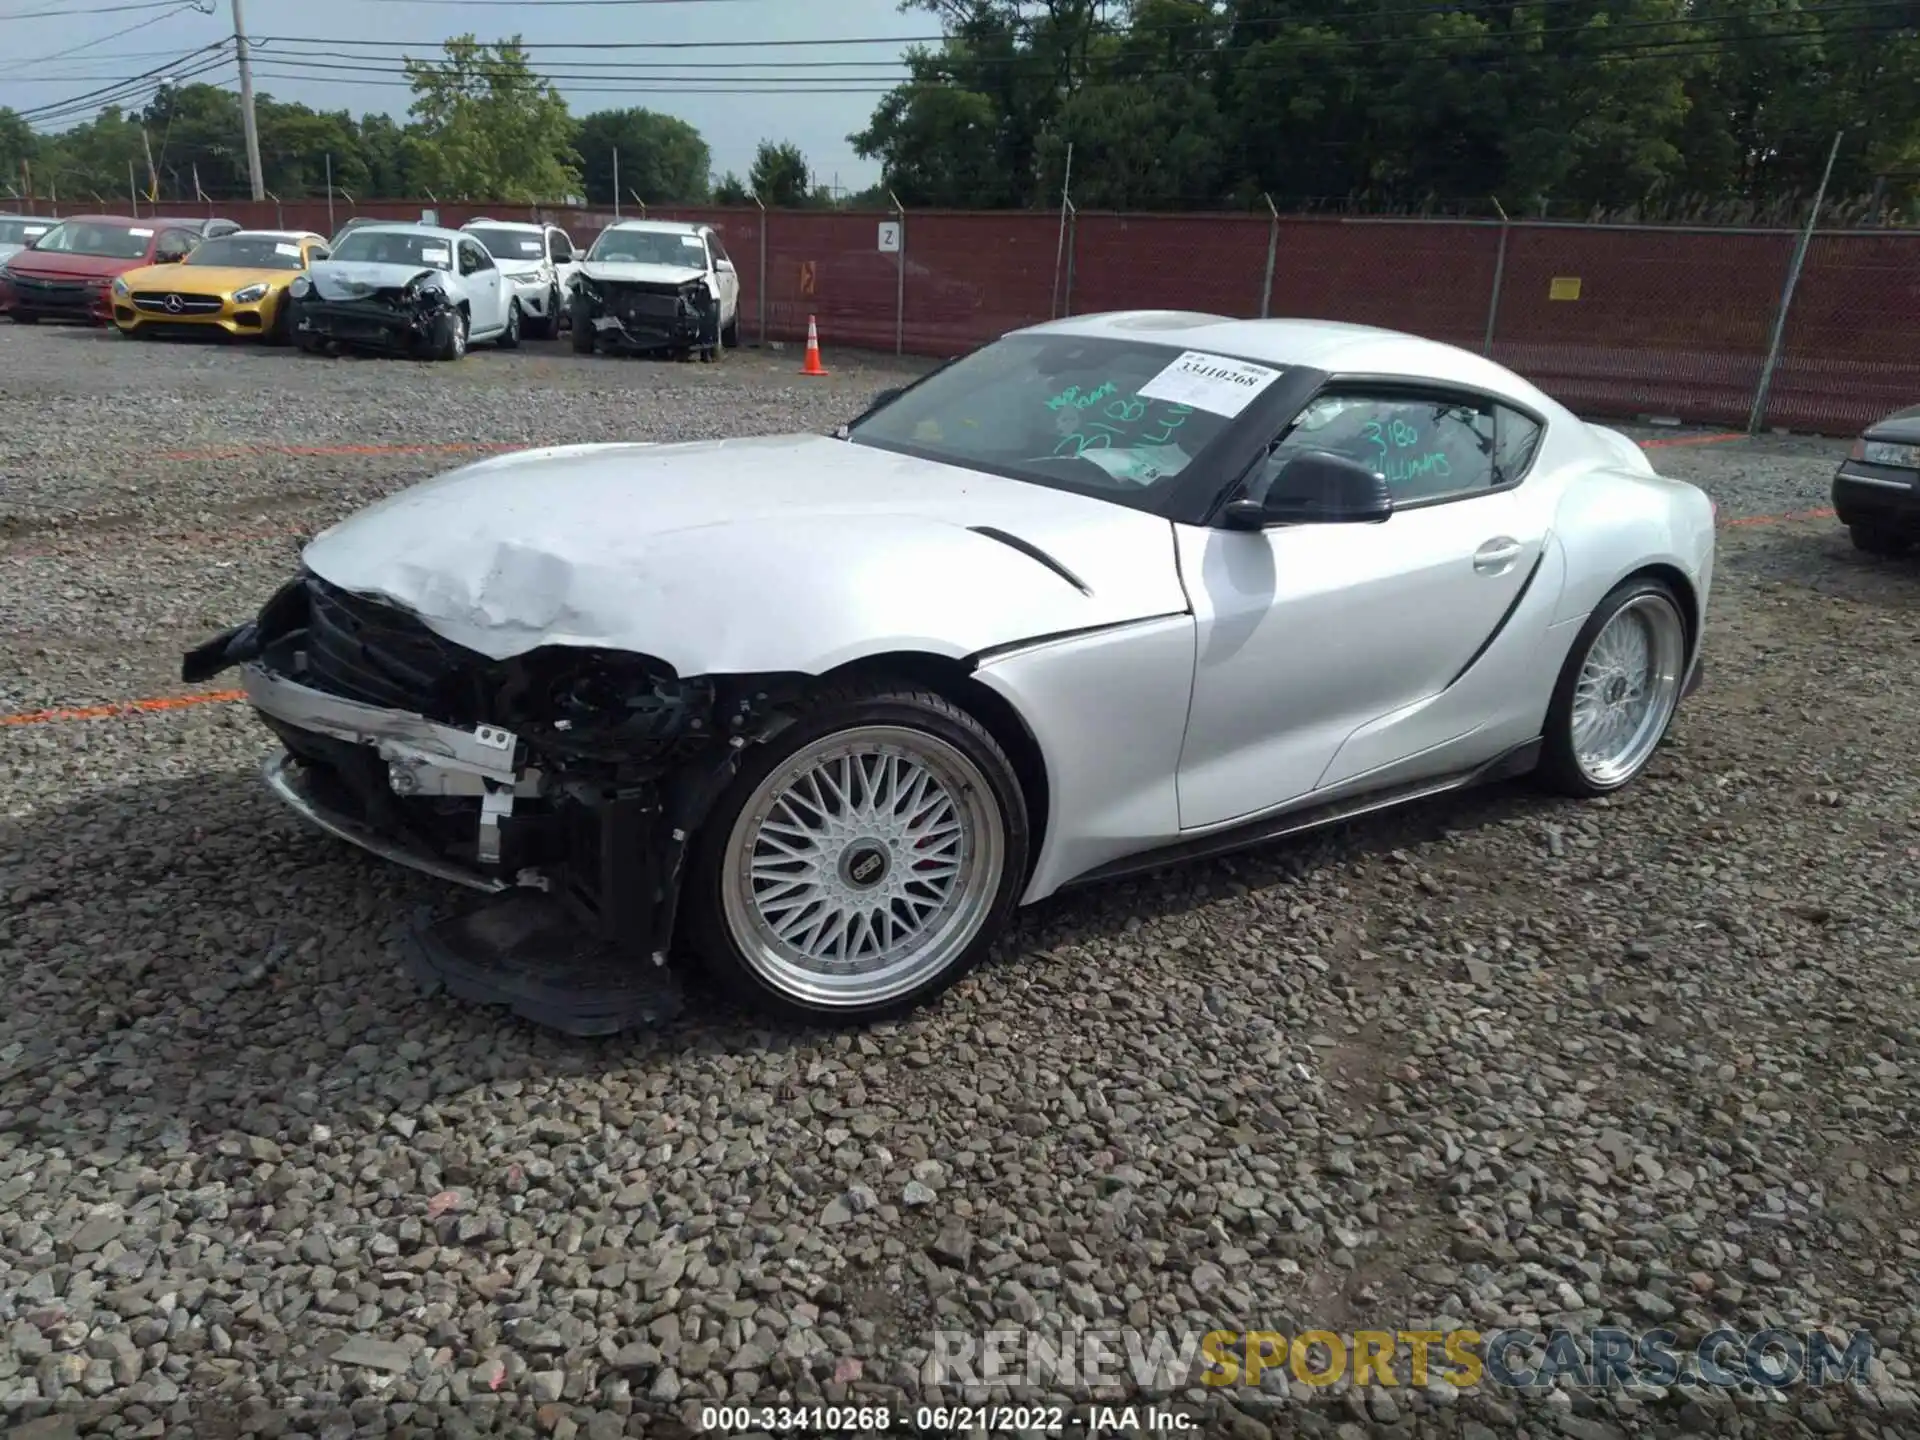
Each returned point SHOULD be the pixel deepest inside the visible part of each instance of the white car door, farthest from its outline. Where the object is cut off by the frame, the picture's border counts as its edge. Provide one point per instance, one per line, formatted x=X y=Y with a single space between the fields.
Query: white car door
x=725 y=278
x=561 y=252
x=1324 y=650
x=487 y=297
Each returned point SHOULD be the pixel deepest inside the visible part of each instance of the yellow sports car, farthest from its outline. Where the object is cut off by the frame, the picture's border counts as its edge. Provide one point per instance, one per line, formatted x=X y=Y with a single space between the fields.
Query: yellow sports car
x=233 y=283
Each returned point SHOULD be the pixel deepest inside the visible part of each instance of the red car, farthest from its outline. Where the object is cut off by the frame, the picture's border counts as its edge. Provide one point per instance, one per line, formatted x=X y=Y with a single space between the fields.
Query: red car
x=67 y=273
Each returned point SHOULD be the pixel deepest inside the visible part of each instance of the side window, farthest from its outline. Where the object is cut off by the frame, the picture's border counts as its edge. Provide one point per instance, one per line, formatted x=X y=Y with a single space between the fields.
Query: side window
x=318 y=252
x=559 y=247
x=473 y=259
x=1516 y=438
x=1427 y=447
x=713 y=244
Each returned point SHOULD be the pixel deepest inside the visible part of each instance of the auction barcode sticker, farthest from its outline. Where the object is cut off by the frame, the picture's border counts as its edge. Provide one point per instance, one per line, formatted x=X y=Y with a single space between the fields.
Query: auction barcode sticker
x=1214 y=383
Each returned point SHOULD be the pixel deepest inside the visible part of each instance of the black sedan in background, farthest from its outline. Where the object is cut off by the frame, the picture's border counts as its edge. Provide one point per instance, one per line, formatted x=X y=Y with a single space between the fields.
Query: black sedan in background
x=1876 y=491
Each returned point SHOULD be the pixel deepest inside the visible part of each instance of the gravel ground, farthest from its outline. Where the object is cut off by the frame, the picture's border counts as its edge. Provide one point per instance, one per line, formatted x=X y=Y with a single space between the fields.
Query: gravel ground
x=1505 y=1061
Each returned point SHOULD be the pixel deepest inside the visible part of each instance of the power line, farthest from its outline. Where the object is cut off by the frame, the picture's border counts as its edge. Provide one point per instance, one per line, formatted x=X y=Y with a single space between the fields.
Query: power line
x=97 y=10
x=184 y=67
x=89 y=44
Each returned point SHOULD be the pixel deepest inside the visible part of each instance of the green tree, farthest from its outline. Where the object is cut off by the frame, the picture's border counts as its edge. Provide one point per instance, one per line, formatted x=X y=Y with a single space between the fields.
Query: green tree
x=780 y=176
x=730 y=189
x=488 y=127
x=663 y=159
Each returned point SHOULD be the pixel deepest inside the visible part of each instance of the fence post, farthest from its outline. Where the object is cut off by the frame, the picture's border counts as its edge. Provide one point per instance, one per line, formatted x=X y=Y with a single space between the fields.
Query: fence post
x=900 y=290
x=1073 y=248
x=1499 y=278
x=1273 y=245
x=332 y=229
x=761 y=298
x=1060 y=249
x=1758 y=415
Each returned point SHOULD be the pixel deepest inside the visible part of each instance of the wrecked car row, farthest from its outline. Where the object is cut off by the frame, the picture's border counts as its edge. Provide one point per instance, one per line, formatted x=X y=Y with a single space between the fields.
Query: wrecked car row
x=396 y=287
x=645 y=286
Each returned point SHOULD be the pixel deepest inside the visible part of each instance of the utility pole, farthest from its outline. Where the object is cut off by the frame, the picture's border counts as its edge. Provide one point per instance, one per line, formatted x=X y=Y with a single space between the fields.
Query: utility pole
x=246 y=105
x=153 y=175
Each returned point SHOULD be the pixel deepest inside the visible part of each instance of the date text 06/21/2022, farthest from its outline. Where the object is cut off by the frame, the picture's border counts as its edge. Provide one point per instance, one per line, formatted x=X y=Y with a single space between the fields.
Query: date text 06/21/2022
x=1088 y=1421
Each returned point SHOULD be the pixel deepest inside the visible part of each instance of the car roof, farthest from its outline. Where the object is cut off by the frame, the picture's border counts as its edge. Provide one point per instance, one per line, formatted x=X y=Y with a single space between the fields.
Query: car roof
x=99 y=220
x=662 y=227
x=1331 y=345
x=505 y=224
x=276 y=235
x=413 y=227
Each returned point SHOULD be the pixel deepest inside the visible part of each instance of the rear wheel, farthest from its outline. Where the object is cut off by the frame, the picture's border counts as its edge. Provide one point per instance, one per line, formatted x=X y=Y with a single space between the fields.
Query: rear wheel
x=730 y=336
x=1879 y=539
x=1618 y=691
x=861 y=864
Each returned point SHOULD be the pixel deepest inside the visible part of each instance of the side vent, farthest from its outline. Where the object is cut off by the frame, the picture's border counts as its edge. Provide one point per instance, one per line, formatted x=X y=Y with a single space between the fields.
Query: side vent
x=1035 y=553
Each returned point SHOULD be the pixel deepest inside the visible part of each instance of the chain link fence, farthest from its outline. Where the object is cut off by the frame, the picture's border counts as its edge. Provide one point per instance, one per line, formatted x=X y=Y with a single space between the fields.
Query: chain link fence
x=1627 y=321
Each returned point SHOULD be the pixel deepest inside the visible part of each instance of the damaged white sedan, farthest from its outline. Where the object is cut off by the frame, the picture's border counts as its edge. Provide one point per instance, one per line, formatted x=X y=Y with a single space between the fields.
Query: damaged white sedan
x=819 y=712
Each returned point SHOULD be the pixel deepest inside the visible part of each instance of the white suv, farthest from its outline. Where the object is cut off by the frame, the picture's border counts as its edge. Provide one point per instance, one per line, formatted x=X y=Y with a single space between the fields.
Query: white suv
x=537 y=261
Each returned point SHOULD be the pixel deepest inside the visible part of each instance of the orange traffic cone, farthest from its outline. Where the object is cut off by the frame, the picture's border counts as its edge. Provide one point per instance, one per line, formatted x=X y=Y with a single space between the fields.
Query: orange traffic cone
x=813 y=365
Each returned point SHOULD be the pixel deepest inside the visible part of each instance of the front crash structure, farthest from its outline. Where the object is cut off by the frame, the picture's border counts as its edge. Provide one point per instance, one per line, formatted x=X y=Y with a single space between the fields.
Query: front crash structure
x=565 y=782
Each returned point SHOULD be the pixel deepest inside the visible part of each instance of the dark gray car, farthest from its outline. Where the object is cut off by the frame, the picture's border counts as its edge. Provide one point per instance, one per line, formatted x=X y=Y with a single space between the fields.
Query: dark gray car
x=1876 y=491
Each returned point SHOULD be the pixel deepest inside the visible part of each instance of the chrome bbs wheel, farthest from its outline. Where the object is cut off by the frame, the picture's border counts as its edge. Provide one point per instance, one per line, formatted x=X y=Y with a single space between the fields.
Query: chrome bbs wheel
x=862 y=866
x=1628 y=686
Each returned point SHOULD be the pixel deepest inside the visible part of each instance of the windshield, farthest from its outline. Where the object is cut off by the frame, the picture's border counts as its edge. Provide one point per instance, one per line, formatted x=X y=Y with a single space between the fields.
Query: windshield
x=99 y=238
x=511 y=244
x=23 y=232
x=249 y=252
x=396 y=247
x=1113 y=418
x=650 y=247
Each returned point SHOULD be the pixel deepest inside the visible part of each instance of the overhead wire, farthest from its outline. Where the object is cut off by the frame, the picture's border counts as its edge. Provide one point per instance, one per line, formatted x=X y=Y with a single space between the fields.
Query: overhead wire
x=89 y=44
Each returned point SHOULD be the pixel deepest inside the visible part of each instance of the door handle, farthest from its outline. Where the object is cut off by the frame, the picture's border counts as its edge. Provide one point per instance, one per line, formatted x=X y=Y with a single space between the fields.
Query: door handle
x=1496 y=557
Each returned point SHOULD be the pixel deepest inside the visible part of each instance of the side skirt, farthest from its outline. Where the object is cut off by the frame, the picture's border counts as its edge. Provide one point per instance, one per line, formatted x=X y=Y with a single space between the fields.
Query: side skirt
x=1262 y=829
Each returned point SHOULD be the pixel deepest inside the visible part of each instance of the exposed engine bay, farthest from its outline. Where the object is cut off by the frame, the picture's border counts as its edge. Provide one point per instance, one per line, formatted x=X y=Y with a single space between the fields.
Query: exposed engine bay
x=634 y=315
x=578 y=773
x=405 y=318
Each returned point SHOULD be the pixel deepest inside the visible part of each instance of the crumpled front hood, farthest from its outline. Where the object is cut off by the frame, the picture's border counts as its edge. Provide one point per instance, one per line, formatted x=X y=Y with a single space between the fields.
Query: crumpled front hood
x=747 y=556
x=354 y=280
x=624 y=272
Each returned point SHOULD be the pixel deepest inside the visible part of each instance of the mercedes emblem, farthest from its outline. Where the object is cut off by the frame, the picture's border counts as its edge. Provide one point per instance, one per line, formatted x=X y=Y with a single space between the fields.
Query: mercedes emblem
x=175 y=304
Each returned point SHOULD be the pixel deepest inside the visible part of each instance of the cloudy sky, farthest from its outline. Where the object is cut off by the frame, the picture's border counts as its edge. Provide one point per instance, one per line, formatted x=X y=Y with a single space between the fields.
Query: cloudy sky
x=55 y=57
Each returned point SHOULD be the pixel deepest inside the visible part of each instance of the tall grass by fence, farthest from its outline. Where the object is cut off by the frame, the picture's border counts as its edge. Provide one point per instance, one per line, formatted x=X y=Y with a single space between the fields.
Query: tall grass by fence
x=1620 y=320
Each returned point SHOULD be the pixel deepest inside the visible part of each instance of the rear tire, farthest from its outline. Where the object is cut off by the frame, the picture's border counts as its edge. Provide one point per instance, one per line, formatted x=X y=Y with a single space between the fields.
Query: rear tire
x=1879 y=540
x=1618 y=691
x=863 y=862
x=730 y=336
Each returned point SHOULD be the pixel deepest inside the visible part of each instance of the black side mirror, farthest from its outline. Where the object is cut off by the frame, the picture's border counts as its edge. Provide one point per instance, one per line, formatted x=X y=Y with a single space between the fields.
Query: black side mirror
x=1316 y=487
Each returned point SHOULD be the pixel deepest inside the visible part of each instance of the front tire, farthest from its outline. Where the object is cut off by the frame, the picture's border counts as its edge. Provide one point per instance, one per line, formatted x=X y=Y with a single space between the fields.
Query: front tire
x=582 y=328
x=730 y=336
x=862 y=863
x=1618 y=690
x=510 y=337
x=1879 y=540
x=450 y=335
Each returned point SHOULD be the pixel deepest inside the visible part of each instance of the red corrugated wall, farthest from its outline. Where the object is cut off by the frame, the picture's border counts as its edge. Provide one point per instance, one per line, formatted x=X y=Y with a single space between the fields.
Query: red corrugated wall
x=1667 y=321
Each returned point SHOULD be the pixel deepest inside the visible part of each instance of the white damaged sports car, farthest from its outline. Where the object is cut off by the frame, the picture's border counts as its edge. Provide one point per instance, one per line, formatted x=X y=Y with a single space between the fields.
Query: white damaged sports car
x=819 y=711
